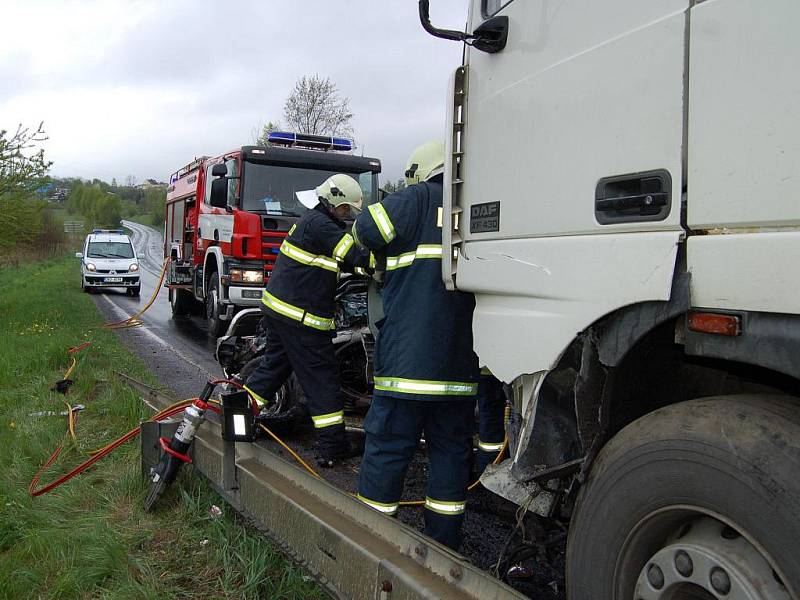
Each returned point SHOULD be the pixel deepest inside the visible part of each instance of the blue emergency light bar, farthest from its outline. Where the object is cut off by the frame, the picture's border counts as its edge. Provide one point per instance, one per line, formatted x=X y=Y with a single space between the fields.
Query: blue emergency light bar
x=118 y=231
x=306 y=140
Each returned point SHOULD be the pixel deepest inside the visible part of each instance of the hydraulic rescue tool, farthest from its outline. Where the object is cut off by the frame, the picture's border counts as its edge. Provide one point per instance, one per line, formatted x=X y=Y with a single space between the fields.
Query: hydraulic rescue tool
x=238 y=425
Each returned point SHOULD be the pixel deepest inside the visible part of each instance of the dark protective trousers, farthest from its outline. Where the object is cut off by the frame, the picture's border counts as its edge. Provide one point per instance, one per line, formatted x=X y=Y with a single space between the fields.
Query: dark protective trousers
x=394 y=428
x=491 y=423
x=310 y=354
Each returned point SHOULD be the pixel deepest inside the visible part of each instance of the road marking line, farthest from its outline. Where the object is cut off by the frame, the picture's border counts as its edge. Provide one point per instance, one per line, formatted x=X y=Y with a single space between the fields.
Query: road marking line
x=120 y=311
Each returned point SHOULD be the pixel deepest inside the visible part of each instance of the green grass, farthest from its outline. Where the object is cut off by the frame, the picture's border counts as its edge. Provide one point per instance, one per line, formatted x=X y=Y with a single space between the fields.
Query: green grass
x=90 y=538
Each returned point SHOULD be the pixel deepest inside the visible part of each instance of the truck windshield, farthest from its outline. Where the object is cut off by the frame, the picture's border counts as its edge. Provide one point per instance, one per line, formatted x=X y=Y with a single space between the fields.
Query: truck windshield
x=271 y=188
x=110 y=250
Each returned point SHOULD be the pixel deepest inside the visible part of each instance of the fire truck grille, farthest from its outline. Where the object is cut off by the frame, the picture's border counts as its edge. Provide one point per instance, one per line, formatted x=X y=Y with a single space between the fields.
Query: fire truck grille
x=270 y=247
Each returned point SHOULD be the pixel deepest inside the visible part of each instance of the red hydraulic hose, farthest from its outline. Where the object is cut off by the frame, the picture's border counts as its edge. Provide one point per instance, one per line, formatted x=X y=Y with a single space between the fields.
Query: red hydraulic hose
x=89 y=462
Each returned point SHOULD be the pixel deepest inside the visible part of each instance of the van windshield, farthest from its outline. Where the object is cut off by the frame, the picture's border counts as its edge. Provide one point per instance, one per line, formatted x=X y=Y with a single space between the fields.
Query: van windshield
x=110 y=250
x=271 y=188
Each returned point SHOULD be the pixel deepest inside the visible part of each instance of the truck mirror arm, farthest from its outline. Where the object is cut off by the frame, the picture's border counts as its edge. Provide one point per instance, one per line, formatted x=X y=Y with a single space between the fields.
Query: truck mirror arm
x=490 y=37
x=445 y=34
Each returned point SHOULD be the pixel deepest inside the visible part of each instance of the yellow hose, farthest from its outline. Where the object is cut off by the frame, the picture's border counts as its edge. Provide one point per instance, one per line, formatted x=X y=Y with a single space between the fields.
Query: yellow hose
x=134 y=320
x=290 y=451
x=70 y=419
x=305 y=465
x=71 y=368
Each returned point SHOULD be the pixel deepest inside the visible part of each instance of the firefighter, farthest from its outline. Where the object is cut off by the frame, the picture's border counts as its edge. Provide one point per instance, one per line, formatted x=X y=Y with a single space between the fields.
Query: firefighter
x=491 y=420
x=426 y=374
x=298 y=305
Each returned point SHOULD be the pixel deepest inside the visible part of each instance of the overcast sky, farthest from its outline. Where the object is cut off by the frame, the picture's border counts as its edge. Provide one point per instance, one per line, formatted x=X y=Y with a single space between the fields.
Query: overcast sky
x=142 y=87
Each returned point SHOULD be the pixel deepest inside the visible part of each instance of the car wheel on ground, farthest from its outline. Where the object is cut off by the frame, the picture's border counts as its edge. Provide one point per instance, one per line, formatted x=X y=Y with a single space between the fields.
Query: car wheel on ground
x=696 y=500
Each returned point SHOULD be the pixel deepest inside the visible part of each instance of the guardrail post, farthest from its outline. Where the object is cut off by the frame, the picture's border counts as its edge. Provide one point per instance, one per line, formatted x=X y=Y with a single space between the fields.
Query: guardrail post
x=230 y=483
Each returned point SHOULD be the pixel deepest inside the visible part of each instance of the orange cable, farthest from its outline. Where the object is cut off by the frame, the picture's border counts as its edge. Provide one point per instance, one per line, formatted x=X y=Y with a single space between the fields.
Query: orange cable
x=134 y=320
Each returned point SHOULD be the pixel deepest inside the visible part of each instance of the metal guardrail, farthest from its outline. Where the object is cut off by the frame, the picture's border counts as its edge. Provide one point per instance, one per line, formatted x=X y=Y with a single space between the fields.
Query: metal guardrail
x=73 y=226
x=352 y=550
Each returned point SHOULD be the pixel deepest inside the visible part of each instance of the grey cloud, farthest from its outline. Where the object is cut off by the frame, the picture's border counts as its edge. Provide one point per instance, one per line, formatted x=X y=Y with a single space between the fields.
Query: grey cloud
x=15 y=76
x=235 y=63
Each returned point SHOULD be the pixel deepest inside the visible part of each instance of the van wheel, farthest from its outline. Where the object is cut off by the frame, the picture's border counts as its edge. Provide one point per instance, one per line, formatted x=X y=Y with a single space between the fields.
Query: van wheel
x=181 y=302
x=134 y=291
x=216 y=326
x=698 y=500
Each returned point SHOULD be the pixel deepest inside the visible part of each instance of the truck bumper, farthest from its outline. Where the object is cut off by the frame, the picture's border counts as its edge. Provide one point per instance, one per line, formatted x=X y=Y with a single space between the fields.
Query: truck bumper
x=244 y=296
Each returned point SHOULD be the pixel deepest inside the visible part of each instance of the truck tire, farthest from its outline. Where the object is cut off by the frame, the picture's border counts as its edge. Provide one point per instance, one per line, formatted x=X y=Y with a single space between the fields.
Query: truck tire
x=181 y=302
x=216 y=326
x=698 y=500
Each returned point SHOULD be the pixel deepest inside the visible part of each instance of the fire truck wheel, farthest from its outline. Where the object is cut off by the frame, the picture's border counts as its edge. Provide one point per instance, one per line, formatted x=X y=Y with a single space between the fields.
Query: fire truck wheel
x=181 y=302
x=216 y=326
x=696 y=500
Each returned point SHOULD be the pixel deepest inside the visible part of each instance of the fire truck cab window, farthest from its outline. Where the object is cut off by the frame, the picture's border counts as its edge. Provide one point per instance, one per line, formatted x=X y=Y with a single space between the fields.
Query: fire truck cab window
x=368 y=186
x=271 y=188
x=232 y=183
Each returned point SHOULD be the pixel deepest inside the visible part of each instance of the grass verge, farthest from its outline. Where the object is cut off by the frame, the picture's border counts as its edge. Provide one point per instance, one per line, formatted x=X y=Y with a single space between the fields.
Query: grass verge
x=90 y=538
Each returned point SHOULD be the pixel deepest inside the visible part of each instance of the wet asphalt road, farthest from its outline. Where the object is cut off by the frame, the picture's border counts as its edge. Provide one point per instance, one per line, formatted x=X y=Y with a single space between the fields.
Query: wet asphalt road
x=179 y=352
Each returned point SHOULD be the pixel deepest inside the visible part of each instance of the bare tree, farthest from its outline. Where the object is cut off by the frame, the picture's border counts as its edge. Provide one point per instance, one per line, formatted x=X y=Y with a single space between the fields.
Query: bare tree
x=315 y=106
x=22 y=166
x=260 y=133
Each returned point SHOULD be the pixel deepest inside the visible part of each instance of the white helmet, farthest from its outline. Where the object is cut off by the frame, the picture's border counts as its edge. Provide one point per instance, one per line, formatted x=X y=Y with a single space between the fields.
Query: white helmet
x=341 y=189
x=425 y=162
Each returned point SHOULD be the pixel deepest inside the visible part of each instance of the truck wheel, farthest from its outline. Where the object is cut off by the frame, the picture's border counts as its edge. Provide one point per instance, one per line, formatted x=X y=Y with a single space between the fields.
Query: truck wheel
x=181 y=302
x=216 y=326
x=695 y=501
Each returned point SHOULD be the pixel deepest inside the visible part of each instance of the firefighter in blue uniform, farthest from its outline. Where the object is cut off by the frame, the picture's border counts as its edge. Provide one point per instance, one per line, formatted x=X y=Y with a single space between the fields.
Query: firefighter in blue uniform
x=491 y=420
x=426 y=373
x=299 y=304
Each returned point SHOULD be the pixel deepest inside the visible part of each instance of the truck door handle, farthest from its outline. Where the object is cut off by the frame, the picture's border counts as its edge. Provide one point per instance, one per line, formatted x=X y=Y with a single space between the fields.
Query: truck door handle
x=645 y=202
x=634 y=197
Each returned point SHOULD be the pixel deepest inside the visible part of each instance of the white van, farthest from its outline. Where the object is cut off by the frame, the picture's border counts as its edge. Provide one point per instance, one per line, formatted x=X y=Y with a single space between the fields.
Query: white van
x=109 y=260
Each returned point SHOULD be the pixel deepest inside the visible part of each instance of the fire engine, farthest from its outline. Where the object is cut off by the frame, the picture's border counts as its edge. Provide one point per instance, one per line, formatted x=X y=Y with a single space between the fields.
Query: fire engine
x=226 y=217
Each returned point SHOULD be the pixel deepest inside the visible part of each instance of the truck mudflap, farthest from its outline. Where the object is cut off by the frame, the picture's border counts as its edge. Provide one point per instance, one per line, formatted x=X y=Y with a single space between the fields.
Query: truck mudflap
x=351 y=549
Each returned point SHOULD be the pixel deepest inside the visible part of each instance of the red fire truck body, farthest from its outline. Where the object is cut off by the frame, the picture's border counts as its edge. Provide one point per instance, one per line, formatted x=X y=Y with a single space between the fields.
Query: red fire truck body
x=226 y=217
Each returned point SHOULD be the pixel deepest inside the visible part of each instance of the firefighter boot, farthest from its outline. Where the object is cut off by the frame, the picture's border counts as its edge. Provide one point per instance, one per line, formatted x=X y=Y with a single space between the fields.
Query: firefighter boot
x=331 y=451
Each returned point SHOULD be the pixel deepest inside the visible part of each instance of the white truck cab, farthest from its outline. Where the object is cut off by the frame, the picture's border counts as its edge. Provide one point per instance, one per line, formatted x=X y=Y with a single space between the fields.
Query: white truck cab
x=622 y=196
x=109 y=260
